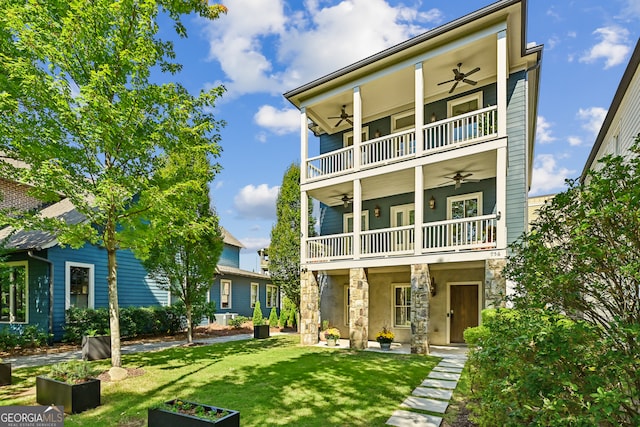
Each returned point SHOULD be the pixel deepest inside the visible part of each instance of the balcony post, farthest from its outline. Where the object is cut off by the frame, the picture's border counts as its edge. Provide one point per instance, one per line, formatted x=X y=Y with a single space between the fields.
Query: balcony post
x=304 y=145
x=357 y=217
x=418 y=210
x=419 y=108
x=357 y=129
x=503 y=75
x=304 y=226
x=501 y=197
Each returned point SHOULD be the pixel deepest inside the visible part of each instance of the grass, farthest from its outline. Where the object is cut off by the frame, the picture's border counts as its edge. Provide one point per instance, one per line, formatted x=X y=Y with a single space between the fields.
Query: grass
x=271 y=382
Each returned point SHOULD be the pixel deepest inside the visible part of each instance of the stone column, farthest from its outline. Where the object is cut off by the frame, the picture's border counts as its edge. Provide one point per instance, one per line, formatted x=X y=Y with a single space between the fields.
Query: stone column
x=309 y=303
x=420 y=294
x=495 y=285
x=358 y=308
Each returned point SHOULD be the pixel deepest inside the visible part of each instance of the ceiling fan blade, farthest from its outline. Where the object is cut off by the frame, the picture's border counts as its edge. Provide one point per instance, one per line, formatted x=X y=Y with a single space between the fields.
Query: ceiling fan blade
x=471 y=180
x=453 y=87
x=456 y=72
x=350 y=122
x=471 y=82
x=475 y=70
x=334 y=117
x=337 y=124
x=448 y=81
x=466 y=176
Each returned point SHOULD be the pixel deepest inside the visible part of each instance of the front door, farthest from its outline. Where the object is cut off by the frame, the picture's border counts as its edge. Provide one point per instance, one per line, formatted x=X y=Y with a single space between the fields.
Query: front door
x=463 y=312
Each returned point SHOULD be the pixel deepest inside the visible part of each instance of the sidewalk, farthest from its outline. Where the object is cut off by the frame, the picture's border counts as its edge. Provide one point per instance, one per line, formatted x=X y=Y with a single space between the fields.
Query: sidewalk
x=48 y=359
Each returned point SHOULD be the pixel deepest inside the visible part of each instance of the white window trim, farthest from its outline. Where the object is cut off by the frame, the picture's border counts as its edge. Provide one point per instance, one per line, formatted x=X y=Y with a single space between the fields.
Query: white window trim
x=347 y=305
x=365 y=219
x=393 y=305
x=274 y=291
x=347 y=135
x=230 y=302
x=462 y=100
x=26 y=278
x=401 y=208
x=451 y=199
x=396 y=117
x=67 y=283
x=252 y=303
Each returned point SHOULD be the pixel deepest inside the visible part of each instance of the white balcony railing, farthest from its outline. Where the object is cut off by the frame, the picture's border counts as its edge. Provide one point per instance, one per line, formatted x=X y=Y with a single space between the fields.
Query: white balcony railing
x=444 y=134
x=442 y=236
x=460 y=129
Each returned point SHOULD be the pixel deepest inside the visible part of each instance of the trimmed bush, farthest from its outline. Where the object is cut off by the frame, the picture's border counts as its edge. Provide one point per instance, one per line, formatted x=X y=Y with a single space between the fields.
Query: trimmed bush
x=21 y=336
x=273 y=317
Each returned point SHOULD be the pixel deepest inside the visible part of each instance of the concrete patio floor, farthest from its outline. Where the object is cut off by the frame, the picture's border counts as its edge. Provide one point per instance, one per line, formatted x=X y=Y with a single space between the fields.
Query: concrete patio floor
x=452 y=351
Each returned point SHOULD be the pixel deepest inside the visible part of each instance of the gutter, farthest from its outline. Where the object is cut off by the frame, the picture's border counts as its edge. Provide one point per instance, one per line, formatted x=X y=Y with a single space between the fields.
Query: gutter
x=31 y=255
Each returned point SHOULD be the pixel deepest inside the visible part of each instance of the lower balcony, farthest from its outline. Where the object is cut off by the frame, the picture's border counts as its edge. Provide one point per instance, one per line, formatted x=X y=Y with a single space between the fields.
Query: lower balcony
x=476 y=233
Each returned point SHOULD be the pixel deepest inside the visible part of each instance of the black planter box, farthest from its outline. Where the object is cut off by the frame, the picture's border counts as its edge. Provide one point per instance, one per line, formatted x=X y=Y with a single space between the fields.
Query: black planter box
x=96 y=347
x=5 y=373
x=261 y=331
x=158 y=417
x=74 y=397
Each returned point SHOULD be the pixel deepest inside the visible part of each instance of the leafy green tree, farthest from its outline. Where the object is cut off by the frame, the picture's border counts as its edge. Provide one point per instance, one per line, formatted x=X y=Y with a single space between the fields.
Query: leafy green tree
x=181 y=243
x=284 y=250
x=582 y=259
x=80 y=107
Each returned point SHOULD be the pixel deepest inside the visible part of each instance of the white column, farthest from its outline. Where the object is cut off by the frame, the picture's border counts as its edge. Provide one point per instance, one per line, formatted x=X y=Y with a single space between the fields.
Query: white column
x=357 y=128
x=503 y=75
x=418 y=209
x=501 y=197
x=357 y=217
x=304 y=145
x=304 y=226
x=419 y=108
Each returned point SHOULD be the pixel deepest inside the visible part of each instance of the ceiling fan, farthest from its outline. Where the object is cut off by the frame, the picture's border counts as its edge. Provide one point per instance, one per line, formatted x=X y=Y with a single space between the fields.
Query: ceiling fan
x=459 y=76
x=343 y=117
x=459 y=178
x=346 y=200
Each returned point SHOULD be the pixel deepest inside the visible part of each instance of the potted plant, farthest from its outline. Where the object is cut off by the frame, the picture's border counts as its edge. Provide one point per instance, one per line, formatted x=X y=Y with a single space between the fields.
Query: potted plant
x=179 y=412
x=332 y=335
x=385 y=338
x=69 y=384
x=260 y=327
x=95 y=347
x=5 y=373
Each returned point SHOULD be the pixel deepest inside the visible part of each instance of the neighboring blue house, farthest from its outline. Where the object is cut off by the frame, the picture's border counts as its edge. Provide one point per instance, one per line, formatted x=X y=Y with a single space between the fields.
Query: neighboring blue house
x=235 y=290
x=44 y=279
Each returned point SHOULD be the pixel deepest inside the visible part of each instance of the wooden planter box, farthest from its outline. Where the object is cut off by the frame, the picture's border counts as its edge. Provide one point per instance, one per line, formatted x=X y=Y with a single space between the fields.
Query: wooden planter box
x=74 y=397
x=5 y=373
x=261 y=331
x=158 y=417
x=96 y=347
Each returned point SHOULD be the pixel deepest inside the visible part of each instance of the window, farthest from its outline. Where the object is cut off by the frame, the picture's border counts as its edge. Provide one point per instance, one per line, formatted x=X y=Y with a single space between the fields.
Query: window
x=272 y=296
x=402 y=121
x=464 y=206
x=254 y=293
x=464 y=104
x=347 y=138
x=403 y=215
x=347 y=221
x=79 y=285
x=402 y=306
x=13 y=292
x=225 y=293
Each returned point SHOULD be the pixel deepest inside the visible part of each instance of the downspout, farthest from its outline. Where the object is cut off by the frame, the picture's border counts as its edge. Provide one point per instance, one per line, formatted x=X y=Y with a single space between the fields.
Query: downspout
x=31 y=255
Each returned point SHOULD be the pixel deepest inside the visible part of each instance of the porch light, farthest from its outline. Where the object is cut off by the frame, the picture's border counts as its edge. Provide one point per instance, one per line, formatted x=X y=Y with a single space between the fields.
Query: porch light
x=433 y=117
x=432 y=203
x=376 y=211
x=433 y=286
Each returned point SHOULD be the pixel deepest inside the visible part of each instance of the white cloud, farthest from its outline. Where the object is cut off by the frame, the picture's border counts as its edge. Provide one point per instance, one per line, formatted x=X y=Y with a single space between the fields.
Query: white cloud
x=632 y=10
x=548 y=177
x=574 y=141
x=592 y=118
x=256 y=202
x=252 y=244
x=613 y=47
x=552 y=42
x=543 y=131
x=304 y=44
x=277 y=121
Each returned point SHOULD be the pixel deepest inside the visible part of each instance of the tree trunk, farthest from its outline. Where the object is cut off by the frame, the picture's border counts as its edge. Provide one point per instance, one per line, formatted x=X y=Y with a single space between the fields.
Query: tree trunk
x=189 y=324
x=112 y=281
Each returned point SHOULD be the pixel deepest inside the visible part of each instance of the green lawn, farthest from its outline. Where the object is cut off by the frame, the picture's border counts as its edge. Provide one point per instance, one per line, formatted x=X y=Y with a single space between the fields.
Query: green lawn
x=271 y=382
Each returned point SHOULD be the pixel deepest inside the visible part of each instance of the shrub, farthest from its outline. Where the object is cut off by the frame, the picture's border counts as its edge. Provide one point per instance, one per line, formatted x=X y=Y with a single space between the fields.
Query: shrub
x=284 y=316
x=22 y=336
x=258 y=320
x=238 y=321
x=72 y=372
x=273 y=317
x=292 y=317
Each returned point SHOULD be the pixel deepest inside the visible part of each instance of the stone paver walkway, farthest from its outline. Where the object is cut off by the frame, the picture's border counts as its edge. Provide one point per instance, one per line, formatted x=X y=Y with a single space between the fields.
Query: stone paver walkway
x=434 y=393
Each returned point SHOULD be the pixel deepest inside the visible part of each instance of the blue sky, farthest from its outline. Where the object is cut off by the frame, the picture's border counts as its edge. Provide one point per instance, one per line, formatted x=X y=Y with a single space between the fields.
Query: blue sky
x=263 y=48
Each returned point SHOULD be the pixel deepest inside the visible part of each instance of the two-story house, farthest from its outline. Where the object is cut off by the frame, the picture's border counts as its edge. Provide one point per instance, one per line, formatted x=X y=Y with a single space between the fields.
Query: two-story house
x=420 y=157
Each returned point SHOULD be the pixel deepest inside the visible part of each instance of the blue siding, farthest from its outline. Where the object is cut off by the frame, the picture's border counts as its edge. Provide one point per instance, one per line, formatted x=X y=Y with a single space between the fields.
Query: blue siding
x=241 y=295
x=517 y=169
x=230 y=256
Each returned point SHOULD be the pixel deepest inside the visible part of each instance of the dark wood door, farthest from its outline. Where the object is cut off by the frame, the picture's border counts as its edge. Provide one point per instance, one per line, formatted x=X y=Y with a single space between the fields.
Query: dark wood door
x=464 y=310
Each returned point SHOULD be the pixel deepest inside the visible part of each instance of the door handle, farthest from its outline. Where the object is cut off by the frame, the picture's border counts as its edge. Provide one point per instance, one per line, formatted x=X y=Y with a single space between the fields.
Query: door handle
x=450 y=313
